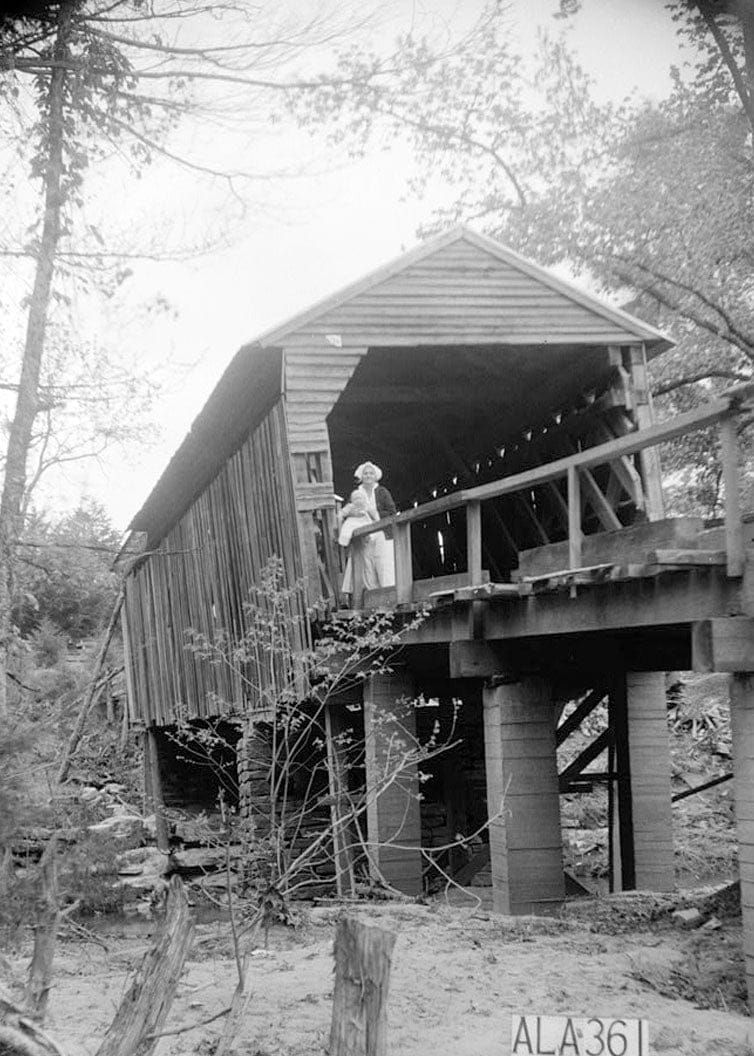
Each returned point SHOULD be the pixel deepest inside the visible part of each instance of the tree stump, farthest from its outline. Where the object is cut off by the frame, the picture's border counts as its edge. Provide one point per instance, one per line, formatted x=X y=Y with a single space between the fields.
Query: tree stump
x=362 y=977
x=145 y=1007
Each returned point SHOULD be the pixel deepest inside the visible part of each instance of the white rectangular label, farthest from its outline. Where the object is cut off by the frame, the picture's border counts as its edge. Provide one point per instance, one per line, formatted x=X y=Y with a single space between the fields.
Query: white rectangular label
x=578 y=1036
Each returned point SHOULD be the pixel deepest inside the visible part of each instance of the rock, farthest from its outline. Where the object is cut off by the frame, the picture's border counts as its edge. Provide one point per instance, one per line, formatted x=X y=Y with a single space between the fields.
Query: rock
x=144 y=868
x=120 y=826
x=713 y=924
x=688 y=918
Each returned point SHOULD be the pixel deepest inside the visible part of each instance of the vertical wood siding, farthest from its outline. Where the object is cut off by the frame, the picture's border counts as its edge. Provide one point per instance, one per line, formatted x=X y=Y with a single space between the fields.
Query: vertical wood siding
x=314 y=378
x=201 y=577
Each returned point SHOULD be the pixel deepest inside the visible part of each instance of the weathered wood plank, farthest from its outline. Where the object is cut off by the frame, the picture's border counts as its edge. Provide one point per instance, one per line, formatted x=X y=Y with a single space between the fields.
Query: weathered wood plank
x=620 y=547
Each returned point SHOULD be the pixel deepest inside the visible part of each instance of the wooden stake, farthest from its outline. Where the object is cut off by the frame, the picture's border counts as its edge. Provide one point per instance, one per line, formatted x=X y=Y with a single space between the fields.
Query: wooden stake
x=147 y=1002
x=362 y=977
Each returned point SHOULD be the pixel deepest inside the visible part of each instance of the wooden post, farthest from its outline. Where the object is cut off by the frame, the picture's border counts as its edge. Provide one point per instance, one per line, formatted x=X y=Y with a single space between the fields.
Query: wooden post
x=733 y=529
x=621 y=834
x=645 y=823
x=145 y=1007
x=393 y=811
x=362 y=977
x=649 y=457
x=357 y=571
x=404 y=571
x=574 y=518
x=523 y=802
x=153 y=789
x=337 y=778
x=474 y=542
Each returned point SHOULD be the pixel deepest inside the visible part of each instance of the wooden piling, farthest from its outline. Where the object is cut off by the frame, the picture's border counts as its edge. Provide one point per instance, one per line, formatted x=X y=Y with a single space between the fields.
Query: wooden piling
x=362 y=977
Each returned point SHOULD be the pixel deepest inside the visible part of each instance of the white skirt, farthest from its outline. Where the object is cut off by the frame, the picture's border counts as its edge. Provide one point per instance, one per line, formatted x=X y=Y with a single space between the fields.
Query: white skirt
x=378 y=564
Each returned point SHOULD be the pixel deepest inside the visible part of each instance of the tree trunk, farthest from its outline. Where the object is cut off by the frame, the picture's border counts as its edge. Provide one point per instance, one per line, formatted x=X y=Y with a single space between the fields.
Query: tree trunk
x=91 y=694
x=145 y=1006
x=19 y=438
x=45 y=936
x=362 y=977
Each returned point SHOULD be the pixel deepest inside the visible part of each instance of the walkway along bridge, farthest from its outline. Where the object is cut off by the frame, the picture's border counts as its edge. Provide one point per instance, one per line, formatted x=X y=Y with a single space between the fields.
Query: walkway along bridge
x=512 y=416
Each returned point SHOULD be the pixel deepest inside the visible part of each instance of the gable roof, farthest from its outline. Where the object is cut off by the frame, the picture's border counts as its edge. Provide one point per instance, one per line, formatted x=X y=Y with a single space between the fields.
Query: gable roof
x=511 y=282
x=458 y=288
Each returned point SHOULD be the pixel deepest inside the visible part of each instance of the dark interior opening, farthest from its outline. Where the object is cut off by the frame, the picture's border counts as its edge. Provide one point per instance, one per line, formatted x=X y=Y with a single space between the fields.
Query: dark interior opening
x=438 y=419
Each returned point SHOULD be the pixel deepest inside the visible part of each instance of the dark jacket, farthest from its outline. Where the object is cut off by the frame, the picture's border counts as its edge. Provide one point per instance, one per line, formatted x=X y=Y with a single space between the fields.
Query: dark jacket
x=385 y=506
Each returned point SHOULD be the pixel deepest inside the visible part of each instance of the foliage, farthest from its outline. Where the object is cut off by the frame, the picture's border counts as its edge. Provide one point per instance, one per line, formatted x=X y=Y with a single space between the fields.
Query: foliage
x=285 y=824
x=649 y=201
x=65 y=583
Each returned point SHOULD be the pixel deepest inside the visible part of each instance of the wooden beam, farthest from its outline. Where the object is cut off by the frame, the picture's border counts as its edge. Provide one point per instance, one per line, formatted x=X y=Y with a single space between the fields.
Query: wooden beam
x=593 y=494
x=559 y=502
x=623 y=469
x=723 y=644
x=476 y=659
x=686 y=558
x=523 y=503
x=577 y=716
x=583 y=759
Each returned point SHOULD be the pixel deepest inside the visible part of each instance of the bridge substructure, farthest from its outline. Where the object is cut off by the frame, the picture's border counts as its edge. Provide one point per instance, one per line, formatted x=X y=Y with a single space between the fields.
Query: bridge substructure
x=593 y=618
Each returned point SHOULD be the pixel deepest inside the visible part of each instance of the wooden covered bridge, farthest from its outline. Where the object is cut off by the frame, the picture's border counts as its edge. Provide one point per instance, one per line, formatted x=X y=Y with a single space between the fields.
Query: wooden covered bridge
x=511 y=415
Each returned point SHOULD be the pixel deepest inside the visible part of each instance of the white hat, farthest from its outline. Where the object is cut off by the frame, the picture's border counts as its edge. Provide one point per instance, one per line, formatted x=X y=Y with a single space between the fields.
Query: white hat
x=359 y=471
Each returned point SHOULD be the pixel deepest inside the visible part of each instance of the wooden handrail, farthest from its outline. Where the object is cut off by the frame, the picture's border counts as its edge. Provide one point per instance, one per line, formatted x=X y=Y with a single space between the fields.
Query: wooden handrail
x=720 y=410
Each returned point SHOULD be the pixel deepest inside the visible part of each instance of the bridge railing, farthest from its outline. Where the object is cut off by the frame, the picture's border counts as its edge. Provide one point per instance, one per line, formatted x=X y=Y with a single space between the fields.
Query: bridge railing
x=721 y=411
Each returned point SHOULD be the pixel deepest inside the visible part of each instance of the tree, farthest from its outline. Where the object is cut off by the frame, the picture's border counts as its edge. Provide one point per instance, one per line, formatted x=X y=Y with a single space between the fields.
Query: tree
x=109 y=83
x=650 y=200
x=65 y=572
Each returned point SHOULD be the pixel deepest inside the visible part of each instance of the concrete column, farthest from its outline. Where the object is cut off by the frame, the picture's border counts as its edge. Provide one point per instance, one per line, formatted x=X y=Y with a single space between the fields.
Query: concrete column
x=648 y=789
x=526 y=846
x=393 y=820
x=742 y=729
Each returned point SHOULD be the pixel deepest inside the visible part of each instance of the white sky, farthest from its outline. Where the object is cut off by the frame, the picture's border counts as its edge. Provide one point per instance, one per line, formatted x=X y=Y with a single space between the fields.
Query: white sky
x=320 y=234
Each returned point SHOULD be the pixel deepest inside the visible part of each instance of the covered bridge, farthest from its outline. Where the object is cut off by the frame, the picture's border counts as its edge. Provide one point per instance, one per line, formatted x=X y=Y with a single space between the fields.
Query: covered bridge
x=511 y=415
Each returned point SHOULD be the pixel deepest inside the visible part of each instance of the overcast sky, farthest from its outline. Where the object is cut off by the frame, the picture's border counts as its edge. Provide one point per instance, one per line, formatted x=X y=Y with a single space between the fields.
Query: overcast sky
x=317 y=234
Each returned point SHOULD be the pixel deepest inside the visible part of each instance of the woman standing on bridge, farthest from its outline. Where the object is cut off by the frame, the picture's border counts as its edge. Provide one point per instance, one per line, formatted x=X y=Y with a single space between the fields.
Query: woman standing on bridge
x=379 y=560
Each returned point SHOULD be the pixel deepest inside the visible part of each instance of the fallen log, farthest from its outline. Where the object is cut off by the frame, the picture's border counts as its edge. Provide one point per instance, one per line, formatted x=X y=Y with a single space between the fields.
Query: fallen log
x=362 y=976
x=144 y=1009
x=21 y=1036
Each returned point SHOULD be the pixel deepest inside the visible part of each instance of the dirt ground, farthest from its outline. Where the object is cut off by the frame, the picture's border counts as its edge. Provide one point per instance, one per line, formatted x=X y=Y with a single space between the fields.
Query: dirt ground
x=458 y=974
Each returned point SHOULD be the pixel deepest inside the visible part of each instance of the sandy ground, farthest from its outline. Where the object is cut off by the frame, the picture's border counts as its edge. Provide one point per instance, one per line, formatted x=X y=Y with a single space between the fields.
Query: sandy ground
x=458 y=974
